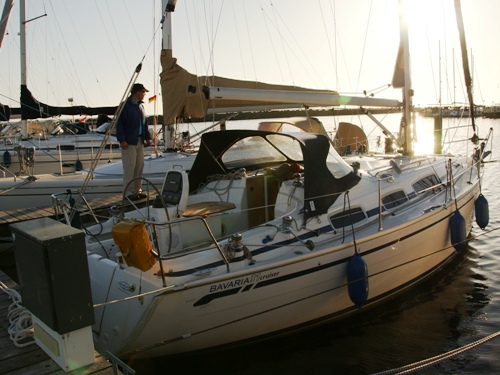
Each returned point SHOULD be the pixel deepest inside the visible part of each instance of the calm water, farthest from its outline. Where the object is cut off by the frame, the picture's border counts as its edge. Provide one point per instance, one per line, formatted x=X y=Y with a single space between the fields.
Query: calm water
x=457 y=306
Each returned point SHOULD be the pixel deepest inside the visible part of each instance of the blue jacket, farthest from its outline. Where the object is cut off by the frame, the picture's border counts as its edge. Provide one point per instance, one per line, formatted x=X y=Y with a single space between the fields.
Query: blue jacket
x=127 y=126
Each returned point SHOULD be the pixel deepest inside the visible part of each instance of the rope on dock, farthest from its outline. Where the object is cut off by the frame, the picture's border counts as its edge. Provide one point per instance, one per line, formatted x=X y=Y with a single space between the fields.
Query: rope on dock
x=20 y=323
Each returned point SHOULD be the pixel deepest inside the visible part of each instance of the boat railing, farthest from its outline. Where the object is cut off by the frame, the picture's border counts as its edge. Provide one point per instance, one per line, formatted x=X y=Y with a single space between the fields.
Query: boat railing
x=7 y=172
x=64 y=210
x=430 y=191
x=453 y=135
x=448 y=136
x=183 y=220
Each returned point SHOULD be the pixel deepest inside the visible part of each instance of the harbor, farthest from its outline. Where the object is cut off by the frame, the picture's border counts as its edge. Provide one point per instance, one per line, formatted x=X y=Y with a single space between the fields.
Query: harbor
x=280 y=226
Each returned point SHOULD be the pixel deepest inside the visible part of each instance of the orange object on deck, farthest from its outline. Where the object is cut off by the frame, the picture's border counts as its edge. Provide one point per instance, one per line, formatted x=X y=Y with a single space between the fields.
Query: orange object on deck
x=133 y=239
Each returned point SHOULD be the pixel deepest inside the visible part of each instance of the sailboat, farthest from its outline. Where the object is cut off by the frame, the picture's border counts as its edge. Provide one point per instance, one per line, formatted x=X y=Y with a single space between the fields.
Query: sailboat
x=274 y=232
x=35 y=167
x=63 y=148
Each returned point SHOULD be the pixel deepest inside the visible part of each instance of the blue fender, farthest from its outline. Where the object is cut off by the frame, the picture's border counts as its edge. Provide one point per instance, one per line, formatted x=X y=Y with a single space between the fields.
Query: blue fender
x=357 y=279
x=458 y=231
x=482 y=211
x=7 y=159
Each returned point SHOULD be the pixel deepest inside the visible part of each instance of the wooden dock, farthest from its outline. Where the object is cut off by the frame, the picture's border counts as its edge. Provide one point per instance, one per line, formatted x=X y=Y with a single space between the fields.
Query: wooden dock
x=33 y=360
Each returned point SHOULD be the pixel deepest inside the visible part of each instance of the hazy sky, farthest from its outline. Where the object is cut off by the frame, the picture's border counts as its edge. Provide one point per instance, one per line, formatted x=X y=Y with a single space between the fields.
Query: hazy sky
x=88 y=50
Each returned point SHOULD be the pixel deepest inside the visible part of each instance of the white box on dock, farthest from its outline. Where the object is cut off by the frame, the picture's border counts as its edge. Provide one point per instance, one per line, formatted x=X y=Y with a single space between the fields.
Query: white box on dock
x=71 y=350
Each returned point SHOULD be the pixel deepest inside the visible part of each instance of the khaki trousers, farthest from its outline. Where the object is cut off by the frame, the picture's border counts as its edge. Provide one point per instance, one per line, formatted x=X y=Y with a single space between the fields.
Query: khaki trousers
x=133 y=165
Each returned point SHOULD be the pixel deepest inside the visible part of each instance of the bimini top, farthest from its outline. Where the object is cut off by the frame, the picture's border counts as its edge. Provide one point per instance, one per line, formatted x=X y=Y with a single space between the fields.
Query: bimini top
x=325 y=173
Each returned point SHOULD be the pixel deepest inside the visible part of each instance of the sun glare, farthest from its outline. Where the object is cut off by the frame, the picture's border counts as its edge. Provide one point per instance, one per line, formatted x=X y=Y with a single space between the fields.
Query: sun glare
x=424 y=144
x=426 y=20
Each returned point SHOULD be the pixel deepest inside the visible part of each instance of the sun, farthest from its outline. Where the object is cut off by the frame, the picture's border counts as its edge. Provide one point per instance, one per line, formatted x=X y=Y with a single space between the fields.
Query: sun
x=428 y=20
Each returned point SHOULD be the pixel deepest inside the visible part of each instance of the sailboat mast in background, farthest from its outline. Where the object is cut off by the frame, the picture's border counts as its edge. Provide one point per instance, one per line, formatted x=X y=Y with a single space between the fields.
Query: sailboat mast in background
x=22 y=27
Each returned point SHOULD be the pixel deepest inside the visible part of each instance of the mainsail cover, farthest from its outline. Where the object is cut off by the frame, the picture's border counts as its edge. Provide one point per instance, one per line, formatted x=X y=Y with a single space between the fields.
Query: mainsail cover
x=181 y=103
x=33 y=109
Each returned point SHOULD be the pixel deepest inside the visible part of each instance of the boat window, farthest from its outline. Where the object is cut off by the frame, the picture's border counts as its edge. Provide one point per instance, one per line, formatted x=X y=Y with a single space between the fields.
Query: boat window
x=289 y=146
x=426 y=183
x=336 y=164
x=347 y=218
x=252 y=151
x=394 y=199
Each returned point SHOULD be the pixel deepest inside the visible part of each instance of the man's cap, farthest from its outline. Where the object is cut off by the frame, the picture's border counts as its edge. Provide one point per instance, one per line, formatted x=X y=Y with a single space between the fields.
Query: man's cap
x=138 y=87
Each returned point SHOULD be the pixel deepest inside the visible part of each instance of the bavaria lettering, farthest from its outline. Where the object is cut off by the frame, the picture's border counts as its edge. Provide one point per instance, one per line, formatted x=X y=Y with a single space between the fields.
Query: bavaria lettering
x=242 y=281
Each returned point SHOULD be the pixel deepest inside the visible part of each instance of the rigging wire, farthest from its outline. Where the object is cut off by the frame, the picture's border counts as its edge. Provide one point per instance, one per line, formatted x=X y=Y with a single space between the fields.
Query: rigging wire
x=287 y=60
x=239 y=40
x=334 y=52
x=305 y=56
x=73 y=73
x=364 y=45
x=124 y=70
x=249 y=41
x=272 y=43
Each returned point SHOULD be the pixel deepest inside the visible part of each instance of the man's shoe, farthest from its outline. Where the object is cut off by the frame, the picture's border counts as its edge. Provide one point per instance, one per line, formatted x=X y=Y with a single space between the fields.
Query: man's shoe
x=141 y=196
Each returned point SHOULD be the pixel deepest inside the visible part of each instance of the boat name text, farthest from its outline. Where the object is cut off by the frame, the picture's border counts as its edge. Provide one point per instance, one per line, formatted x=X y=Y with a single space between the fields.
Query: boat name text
x=243 y=281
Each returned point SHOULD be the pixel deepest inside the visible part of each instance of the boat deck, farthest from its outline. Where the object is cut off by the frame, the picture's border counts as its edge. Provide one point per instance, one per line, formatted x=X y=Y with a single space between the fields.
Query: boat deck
x=32 y=359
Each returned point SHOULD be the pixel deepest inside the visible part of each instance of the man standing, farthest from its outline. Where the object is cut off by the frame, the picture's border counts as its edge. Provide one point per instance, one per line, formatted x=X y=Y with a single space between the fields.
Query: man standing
x=132 y=132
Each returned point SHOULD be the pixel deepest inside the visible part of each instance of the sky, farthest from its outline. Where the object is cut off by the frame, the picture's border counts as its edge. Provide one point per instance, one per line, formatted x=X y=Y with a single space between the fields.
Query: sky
x=88 y=50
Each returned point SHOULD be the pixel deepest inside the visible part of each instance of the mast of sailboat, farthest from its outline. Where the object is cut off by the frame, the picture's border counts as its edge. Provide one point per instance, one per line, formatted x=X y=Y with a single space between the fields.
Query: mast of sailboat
x=4 y=21
x=168 y=7
x=402 y=79
x=22 y=25
x=24 y=80
x=465 y=60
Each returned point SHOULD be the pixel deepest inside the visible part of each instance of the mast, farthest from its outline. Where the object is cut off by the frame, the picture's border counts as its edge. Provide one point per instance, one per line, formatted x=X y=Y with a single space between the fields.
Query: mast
x=405 y=126
x=4 y=21
x=465 y=59
x=168 y=7
x=402 y=79
x=22 y=28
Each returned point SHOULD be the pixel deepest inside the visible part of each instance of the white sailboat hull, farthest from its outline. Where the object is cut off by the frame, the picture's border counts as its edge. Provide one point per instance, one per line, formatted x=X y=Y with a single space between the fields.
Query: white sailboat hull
x=108 y=180
x=53 y=161
x=288 y=288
